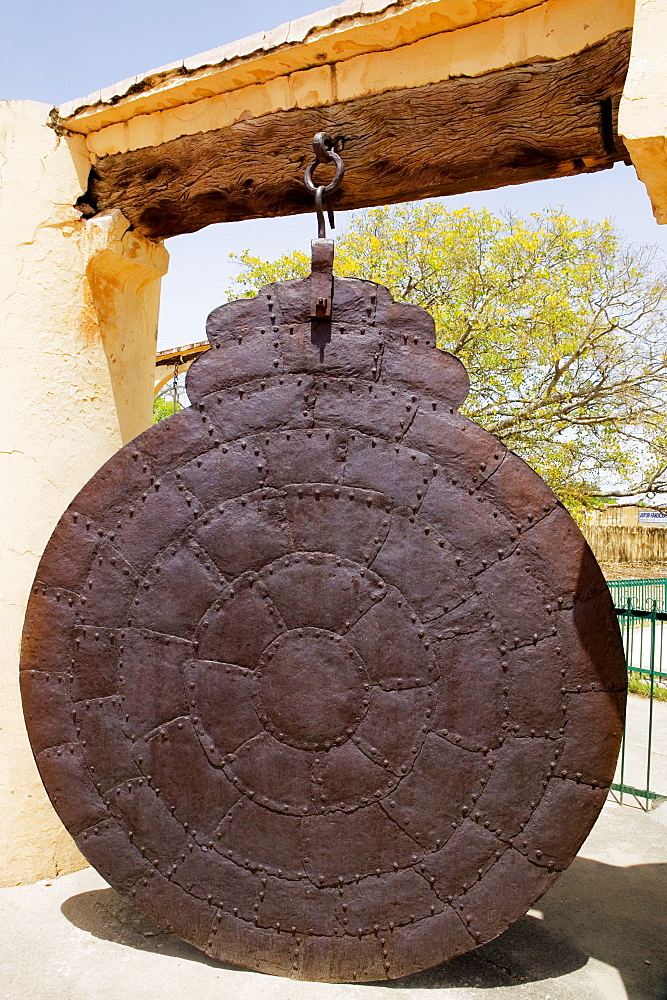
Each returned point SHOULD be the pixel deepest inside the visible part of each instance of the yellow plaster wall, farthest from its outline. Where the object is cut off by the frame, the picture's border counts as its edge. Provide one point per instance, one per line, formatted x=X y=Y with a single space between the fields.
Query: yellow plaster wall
x=551 y=30
x=123 y=271
x=642 y=119
x=78 y=320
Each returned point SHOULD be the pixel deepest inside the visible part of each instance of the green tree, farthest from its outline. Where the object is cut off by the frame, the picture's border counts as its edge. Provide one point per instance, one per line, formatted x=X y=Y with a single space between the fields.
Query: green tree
x=163 y=406
x=561 y=328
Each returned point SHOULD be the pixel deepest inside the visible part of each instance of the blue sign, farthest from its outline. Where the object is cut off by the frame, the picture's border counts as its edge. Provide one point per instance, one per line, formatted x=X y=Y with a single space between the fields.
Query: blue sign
x=653 y=517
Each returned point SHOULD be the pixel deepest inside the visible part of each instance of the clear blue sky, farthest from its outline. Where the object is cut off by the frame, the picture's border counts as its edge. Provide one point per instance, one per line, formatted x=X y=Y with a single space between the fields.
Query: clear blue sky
x=61 y=49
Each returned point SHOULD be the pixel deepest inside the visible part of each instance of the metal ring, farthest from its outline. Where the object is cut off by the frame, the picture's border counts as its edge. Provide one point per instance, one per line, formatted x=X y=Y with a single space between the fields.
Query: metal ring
x=333 y=185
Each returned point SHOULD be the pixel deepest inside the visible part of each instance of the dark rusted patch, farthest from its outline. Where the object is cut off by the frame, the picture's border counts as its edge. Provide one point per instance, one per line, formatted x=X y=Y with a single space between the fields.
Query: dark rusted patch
x=317 y=673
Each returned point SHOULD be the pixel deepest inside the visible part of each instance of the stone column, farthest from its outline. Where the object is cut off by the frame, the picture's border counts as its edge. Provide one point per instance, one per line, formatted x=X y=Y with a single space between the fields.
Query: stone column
x=642 y=117
x=78 y=319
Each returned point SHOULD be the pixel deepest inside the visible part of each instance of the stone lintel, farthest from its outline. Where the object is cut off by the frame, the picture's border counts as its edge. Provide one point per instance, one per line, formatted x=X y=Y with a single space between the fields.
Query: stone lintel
x=545 y=119
x=336 y=33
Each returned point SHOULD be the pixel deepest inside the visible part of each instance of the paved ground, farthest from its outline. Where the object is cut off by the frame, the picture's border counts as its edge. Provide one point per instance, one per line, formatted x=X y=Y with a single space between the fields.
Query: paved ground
x=633 y=571
x=599 y=934
x=636 y=746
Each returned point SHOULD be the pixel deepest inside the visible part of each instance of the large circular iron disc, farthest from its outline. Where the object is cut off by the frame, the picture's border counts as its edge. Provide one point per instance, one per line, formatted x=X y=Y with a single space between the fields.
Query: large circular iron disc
x=316 y=672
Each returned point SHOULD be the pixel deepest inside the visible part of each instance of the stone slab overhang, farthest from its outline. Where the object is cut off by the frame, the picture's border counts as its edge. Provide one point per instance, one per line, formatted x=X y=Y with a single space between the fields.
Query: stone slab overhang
x=425 y=98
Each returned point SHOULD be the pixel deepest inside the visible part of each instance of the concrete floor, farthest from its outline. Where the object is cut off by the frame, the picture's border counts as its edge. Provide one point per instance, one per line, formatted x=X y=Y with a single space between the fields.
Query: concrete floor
x=599 y=934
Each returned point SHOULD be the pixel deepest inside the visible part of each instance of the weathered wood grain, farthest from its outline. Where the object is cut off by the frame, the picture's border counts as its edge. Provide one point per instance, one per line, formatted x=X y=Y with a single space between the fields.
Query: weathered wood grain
x=527 y=123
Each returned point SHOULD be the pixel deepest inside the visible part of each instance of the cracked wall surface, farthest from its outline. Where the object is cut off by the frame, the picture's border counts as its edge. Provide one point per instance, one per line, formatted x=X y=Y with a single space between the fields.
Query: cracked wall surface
x=643 y=110
x=78 y=317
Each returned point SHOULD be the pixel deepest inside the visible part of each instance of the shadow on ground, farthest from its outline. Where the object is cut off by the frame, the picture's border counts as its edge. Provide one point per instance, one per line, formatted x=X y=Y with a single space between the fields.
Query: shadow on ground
x=614 y=914
x=104 y=913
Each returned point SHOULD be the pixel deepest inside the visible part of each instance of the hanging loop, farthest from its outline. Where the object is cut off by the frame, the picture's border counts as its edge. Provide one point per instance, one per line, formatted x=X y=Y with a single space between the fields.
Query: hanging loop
x=319 y=208
x=321 y=278
x=323 y=147
x=174 y=388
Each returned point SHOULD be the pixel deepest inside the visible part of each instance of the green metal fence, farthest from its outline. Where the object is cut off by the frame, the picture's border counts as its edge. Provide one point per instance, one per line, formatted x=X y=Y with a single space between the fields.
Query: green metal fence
x=642 y=768
x=643 y=593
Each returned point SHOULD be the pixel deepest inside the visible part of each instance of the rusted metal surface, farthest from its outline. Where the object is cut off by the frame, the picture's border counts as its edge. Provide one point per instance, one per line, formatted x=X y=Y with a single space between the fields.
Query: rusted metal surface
x=316 y=672
x=321 y=279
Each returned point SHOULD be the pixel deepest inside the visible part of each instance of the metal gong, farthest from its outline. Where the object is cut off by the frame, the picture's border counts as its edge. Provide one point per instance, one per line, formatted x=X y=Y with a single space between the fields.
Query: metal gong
x=316 y=672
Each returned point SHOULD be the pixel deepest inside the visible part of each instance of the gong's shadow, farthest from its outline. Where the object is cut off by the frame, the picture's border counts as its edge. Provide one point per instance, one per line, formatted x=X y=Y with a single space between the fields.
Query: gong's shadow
x=109 y=917
x=613 y=914
x=320 y=335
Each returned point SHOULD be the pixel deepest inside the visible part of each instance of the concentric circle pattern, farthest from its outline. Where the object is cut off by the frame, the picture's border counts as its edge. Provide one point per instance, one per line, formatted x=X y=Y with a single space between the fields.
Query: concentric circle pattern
x=316 y=672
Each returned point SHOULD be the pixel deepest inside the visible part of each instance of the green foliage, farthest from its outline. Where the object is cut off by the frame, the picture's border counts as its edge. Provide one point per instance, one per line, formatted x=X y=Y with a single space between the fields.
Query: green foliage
x=257 y=272
x=163 y=406
x=643 y=688
x=561 y=328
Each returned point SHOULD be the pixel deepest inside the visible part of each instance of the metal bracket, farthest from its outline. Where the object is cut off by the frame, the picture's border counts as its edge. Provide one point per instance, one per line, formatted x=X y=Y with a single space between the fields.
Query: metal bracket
x=321 y=279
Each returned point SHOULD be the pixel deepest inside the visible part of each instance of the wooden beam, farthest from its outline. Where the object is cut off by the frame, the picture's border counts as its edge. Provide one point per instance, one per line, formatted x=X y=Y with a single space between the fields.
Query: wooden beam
x=532 y=122
x=181 y=355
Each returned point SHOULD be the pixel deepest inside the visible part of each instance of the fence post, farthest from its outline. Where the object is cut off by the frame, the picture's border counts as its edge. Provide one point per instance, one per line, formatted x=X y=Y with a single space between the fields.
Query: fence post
x=650 y=707
x=628 y=654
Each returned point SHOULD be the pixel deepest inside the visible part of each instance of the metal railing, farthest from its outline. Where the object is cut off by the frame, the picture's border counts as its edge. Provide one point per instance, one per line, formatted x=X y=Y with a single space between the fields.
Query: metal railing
x=643 y=593
x=641 y=763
